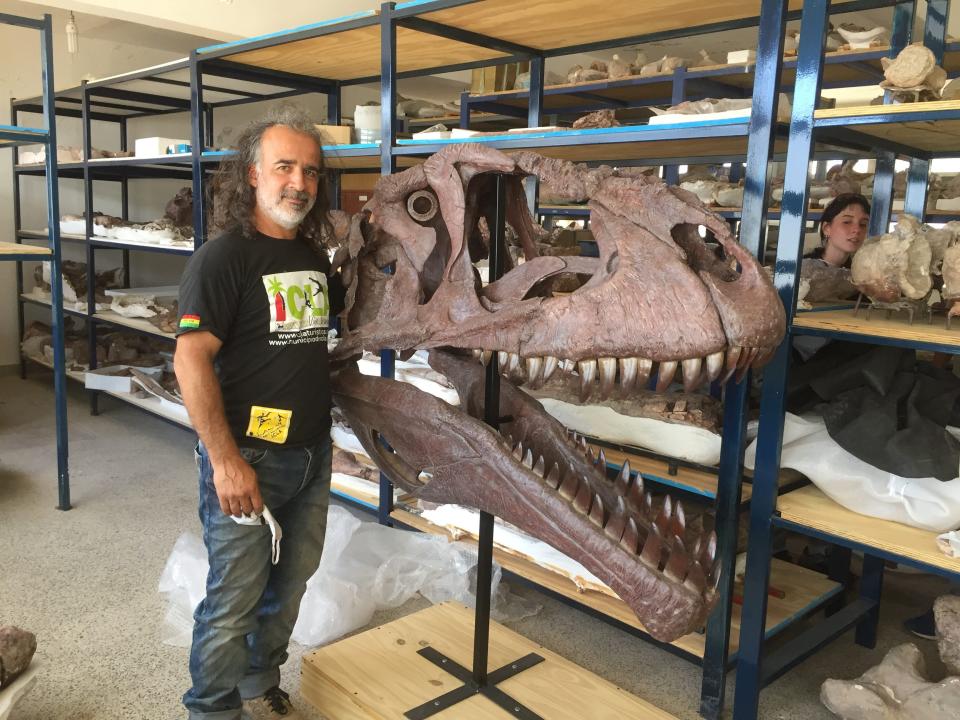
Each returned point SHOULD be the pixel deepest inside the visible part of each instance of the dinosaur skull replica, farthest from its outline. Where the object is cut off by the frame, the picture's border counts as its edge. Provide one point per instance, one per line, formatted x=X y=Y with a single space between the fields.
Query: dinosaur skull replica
x=655 y=301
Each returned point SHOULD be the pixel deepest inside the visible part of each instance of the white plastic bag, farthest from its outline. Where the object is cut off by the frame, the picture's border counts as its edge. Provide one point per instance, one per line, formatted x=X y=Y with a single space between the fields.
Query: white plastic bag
x=926 y=503
x=365 y=567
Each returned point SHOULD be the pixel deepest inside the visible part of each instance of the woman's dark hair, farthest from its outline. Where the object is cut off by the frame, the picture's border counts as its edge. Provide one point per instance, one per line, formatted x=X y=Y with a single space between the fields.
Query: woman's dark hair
x=838 y=205
x=233 y=195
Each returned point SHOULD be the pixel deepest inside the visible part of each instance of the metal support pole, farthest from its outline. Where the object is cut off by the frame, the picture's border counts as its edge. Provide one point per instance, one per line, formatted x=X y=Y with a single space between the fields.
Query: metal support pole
x=17 y=227
x=900 y=35
x=208 y=125
x=671 y=173
x=763 y=120
x=196 y=147
x=333 y=118
x=465 y=110
x=871 y=588
x=491 y=415
x=56 y=278
x=773 y=400
x=535 y=119
x=915 y=202
x=388 y=110
x=94 y=395
x=125 y=202
x=935 y=27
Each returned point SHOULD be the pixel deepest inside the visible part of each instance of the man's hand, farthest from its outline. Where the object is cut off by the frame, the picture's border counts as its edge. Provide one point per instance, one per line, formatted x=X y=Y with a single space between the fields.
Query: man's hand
x=237 y=487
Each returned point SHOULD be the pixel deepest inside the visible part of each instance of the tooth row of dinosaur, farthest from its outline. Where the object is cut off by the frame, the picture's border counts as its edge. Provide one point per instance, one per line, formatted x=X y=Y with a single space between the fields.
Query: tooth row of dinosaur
x=629 y=374
x=658 y=545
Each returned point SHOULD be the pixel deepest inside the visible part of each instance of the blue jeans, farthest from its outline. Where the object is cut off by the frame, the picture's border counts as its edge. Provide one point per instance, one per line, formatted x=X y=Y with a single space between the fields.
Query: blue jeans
x=243 y=625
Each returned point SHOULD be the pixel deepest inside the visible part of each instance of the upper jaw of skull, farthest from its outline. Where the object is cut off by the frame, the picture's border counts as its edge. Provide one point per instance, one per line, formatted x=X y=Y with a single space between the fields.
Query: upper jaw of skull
x=656 y=299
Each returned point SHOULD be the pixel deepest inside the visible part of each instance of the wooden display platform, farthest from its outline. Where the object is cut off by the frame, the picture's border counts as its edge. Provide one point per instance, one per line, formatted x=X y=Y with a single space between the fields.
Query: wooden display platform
x=9 y=248
x=378 y=675
x=810 y=507
x=803 y=590
x=930 y=135
x=897 y=328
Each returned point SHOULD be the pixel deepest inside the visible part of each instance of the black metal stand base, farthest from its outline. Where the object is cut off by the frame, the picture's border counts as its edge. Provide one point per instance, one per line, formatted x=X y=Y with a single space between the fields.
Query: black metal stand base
x=471 y=688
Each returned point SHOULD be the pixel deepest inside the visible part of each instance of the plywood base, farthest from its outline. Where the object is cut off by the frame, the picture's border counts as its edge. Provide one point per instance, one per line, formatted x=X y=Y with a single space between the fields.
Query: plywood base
x=378 y=675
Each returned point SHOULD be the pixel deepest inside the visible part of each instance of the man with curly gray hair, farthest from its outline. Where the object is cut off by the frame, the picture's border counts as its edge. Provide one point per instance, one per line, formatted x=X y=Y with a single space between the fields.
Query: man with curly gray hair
x=251 y=360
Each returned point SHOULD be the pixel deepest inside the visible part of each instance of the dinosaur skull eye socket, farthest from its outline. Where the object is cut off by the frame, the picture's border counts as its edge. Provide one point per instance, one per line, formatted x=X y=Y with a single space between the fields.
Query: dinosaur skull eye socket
x=422 y=205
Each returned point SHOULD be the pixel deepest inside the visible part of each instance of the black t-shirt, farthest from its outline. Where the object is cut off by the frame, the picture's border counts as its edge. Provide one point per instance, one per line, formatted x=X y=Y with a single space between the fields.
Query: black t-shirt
x=817 y=254
x=268 y=301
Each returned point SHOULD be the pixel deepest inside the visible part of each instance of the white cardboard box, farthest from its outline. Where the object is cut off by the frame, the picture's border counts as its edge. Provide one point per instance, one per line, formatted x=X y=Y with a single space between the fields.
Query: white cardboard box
x=107 y=378
x=154 y=146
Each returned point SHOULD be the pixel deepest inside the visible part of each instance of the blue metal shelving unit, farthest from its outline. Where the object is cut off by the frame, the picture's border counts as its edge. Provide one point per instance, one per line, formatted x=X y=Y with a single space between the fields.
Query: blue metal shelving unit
x=13 y=136
x=757 y=668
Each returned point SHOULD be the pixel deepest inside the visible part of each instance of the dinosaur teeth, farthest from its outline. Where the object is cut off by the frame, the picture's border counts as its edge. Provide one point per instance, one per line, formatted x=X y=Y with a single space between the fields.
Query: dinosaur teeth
x=485 y=356
x=518 y=452
x=514 y=360
x=696 y=580
x=503 y=360
x=591 y=458
x=549 y=366
x=568 y=488
x=581 y=503
x=676 y=567
x=596 y=512
x=602 y=461
x=733 y=357
x=692 y=373
x=667 y=370
x=709 y=551
x=528 y=459
x=476 y=354
x=628 y=373
x=608 y=375
x=679 y=525
x=650 y=555
x=534 y=368
x=540 y=467
x=631 y=537
x=644 y=368
x=665 y=517
x=746 y=360
x=553 y=477
x=715 y=365
x=617 y=522
x=622 y=483
x=588 y=373
x=636 y=497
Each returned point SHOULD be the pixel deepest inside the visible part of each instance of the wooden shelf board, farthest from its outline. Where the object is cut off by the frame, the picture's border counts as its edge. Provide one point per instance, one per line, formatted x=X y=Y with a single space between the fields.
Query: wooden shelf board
x=135 y=323
x=932 y=135
x=77 y=375
x=810 y=507
x=803 y=588
x=689 y=479
x=878 y=326
x=150 y=404
x=9 y=248
x=355 y=53
x=378 y=675
x=565 y=23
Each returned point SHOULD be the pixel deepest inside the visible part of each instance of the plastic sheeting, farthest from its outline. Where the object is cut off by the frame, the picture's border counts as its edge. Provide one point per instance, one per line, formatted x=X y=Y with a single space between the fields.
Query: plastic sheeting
x=365 y=567
x=926 y=503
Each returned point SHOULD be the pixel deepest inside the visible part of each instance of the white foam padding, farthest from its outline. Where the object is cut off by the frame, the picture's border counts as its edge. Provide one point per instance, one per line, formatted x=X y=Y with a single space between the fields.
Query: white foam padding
x=925 y=503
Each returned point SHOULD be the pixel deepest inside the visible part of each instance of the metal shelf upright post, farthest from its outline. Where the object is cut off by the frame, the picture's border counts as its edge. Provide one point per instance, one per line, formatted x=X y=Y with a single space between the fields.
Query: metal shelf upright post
x=14 y=136
x=806 y=508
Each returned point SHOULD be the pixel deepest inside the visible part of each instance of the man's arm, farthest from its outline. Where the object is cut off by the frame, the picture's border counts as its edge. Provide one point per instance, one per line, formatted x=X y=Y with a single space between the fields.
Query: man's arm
x=233 y=478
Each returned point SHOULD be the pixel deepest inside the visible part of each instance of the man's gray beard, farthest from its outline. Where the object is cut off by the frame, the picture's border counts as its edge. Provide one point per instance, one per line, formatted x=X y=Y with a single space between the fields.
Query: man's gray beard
x=287 y=219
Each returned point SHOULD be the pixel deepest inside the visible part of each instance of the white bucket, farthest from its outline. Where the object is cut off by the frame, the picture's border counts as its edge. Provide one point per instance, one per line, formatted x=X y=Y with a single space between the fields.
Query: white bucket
x=366 y=118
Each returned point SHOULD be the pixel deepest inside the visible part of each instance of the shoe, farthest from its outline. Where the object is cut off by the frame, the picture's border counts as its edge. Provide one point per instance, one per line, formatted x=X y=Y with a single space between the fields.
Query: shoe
x=274 y=703
x=923 y=626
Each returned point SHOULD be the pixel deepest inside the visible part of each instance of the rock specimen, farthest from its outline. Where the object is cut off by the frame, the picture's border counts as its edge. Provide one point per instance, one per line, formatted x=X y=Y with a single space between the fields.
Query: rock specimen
x=946 y=612
x=616 y=68
x=16 y=650
x=913 y=76
x=896 y=689
x=825 y=282
x=597 y=119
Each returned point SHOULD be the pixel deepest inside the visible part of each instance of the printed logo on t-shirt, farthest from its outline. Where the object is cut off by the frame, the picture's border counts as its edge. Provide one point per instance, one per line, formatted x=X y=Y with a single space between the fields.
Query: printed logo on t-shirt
x=298 y=307
x=270 y=424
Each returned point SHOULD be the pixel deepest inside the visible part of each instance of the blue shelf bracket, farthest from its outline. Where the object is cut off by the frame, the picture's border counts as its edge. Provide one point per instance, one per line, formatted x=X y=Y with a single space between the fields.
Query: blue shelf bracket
x=773 y=398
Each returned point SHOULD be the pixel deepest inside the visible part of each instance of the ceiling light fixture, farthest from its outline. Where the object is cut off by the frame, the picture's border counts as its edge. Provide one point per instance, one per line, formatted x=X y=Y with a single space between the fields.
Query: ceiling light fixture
x=73 y=38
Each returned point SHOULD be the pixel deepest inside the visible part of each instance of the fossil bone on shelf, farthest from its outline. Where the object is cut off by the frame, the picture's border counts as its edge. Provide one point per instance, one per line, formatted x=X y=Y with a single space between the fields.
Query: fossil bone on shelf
x=657 y=302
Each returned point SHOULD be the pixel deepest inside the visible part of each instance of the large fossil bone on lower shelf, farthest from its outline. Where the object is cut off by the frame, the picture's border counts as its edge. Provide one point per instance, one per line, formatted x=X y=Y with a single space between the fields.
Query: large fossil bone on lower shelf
x=898 y=688
x=913 y=75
